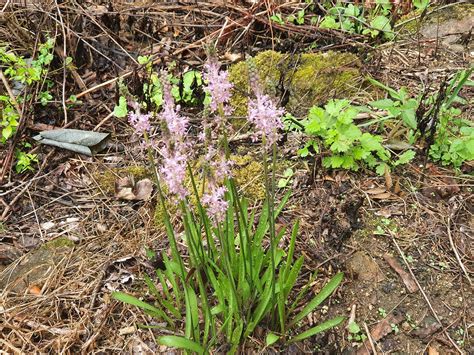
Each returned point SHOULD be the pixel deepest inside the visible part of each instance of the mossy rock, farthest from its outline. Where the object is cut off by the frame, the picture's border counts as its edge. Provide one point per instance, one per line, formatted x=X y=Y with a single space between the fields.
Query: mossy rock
x=309 y=79
x=37 y=266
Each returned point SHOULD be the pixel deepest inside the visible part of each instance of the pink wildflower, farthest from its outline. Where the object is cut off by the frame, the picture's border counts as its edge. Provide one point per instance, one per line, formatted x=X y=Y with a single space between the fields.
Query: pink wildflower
x=175 y=150
x=218 y=86
x=173 y=172
x=139 y=121
x=266 y=117
x=216 y=203
x=177 y=124
x=221 y=168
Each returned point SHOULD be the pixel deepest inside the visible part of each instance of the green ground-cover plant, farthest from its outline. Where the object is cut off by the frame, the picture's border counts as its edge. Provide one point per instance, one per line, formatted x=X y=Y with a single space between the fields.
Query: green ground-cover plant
x=23 y=73
x=452 y=137
x=333 y=127
x=237 y=276
x=374 y=21
x=185 y=89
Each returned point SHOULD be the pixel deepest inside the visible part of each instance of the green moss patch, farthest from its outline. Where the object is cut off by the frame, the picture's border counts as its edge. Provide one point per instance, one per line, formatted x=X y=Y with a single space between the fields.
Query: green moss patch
x=61 y=242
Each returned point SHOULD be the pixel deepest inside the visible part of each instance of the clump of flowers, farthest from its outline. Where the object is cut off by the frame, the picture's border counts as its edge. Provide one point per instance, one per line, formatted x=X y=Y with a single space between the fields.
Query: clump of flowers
x=140 y=121
x=218 y=87
x=232 y=255
x=264 y=114
x=175 y=150
x=218 y=166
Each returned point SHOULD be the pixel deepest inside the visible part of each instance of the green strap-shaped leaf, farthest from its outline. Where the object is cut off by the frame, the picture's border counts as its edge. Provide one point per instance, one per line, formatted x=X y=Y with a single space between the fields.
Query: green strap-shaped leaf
x=327 y=290
x=318 y=329
x=179 y=342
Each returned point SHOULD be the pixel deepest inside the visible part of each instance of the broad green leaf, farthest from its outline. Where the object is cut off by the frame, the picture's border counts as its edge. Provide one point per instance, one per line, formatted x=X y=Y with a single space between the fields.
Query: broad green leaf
x=318 y=329
x=143 y=59
x=120 y=110
x=7 y=132
x=282 y=183
x=381 y=23
x=409 y=118
x=382 y=104
x=271 y=339
x=179 y=342
x=329 y=22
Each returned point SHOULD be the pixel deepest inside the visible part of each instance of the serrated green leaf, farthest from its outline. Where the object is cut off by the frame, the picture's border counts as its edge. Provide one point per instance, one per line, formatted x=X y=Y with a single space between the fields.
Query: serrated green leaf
x=370 y=142
x=405 y=158
x=382 y=104
x=380 y=170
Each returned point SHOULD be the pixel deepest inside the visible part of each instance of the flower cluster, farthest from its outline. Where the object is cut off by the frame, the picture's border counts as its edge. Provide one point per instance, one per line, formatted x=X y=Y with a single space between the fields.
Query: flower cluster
x=266 y=117
x=176 y=124
x=217 y=86
x=139 y=121
x=173 y=171
x=215 y=202
x=175 y=150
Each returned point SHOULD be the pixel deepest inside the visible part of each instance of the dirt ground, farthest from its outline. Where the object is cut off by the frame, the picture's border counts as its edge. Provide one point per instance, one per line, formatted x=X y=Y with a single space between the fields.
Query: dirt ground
x=66 y=241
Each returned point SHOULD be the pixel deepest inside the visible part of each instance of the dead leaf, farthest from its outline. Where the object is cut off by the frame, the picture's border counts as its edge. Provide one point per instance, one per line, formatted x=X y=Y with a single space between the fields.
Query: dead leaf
x=382 y=196
x=384 y=213
x=233 y=57
x=143 y=189
x=432 y=351
x=381 y=329
x=127 y=330
x=405 y=276
x=396 y=189
x=8 y=254
x=125 y=189
x=376 y=191
x=35 y=290
x=388 y=179
x=427 y=331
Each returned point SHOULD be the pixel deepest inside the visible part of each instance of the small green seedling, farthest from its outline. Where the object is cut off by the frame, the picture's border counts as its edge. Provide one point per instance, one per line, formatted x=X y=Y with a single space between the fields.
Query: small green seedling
x=287 y=175
x=355 y=333
x=278 y=19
